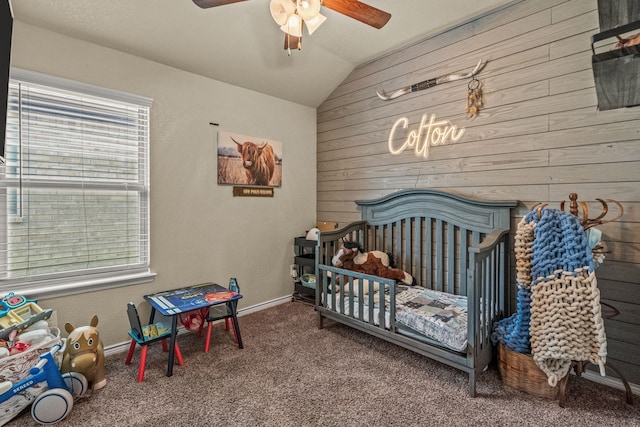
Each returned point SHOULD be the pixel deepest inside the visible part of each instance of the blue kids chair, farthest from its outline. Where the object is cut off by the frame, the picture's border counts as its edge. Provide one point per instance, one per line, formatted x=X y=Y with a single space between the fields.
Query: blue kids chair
x=145 y=335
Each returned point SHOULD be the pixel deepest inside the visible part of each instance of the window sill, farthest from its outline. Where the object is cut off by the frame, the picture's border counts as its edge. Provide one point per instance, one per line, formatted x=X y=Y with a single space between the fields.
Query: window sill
x=45 y=291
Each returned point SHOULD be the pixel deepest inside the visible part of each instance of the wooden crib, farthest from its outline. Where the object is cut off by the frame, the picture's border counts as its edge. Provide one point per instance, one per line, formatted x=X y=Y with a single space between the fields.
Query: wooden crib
x=450 y=244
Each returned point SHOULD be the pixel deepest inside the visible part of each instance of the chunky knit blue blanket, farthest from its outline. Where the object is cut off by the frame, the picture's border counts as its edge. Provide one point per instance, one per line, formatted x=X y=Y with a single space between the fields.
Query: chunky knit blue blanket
x=560 y=243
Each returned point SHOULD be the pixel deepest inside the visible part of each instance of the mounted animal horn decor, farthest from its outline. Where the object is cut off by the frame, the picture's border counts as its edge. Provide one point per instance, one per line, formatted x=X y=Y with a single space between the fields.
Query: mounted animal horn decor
x=426 y=84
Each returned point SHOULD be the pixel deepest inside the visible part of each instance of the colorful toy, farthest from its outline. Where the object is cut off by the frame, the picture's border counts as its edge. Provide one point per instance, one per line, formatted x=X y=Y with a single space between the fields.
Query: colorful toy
x=11 y=301
x=17 y=313
x=84 y=353
x=55 y=403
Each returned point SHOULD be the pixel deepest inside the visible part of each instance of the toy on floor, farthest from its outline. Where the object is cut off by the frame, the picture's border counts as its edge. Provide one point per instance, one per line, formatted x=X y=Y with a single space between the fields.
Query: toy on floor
x=84 y=353
x=55 y=403
x=33 y=336
x=18 y=313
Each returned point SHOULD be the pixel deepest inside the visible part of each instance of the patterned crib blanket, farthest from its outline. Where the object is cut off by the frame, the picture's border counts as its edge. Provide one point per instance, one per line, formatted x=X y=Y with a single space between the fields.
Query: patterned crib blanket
x=436 y=315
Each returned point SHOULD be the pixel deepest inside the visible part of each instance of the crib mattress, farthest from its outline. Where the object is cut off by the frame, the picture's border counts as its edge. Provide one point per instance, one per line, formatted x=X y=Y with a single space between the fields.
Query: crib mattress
x=437 y=315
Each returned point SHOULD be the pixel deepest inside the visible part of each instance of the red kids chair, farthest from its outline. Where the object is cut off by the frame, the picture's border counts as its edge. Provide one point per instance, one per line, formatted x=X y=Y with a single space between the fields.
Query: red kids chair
x=226 y=311
x=146 y=335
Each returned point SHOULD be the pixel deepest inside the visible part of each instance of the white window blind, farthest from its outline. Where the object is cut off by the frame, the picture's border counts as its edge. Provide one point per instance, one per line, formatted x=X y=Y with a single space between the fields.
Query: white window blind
x=75 y=186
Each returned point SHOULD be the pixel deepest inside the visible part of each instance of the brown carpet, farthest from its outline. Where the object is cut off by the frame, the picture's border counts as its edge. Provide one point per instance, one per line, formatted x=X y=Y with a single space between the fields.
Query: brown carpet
x=292 y=374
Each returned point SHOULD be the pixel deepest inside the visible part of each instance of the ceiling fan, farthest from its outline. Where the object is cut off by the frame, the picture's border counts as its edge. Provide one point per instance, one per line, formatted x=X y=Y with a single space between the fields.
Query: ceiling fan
x=291 y=14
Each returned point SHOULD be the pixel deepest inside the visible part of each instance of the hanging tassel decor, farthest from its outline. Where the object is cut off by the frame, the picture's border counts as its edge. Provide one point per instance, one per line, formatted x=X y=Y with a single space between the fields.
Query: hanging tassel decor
x=475 y=98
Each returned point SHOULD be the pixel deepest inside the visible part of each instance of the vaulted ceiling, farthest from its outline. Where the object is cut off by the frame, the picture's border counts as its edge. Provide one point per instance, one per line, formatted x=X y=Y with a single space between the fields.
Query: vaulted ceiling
x=240 y=43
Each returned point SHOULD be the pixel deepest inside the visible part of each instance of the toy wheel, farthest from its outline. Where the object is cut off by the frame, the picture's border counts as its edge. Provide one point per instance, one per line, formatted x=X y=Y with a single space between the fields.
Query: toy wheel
x=76 y=383
x=52 y=406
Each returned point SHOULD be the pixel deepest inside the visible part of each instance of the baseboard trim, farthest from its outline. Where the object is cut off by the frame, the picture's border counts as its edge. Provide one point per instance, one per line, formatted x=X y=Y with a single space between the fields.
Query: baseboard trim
x=264 y=305
x=124 y=346
x=610 y=381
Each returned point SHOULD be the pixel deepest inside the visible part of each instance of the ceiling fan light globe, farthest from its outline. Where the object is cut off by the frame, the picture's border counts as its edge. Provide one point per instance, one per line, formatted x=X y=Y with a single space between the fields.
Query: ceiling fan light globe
x=293 y=26
x=308 y=9
x=281 y=10
x=313 y=24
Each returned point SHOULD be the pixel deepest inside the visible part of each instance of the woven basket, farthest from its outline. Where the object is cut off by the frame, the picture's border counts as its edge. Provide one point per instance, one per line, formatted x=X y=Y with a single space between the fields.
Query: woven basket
x=519 y=371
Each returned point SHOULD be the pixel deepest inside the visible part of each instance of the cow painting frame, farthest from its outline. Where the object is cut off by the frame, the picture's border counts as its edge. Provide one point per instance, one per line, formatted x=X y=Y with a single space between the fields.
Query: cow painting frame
x=248 y=160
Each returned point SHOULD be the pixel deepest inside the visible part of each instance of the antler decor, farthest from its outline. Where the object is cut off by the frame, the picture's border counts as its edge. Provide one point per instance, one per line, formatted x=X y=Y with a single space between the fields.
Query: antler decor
x=429 y=83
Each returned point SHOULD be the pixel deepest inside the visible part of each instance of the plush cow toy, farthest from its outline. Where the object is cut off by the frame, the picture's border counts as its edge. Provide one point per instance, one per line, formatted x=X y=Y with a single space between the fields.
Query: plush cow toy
x=84 y=353
x=377 y=263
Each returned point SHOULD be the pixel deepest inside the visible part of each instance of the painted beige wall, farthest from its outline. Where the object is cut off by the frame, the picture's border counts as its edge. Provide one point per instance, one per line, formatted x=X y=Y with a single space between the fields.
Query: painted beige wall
x=199 y=231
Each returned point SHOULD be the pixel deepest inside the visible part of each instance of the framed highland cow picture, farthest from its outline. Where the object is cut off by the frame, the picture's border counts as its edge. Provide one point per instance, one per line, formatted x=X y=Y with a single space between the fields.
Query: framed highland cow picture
x=249 y=160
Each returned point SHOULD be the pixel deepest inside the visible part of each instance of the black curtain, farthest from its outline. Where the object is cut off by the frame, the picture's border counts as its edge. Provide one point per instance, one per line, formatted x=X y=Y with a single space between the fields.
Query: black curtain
x=6 y=28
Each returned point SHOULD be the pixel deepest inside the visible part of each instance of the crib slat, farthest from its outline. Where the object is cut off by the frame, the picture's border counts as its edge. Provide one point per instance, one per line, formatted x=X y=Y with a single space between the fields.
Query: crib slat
x=351 y=295
x=352 y=299
x=397 y=243
x=463 y=264
x=439 y=264
x=415 y=250
x=371 y=302
x=381 y=307
x=428 y=253
x=449 y=286
x=391 y=308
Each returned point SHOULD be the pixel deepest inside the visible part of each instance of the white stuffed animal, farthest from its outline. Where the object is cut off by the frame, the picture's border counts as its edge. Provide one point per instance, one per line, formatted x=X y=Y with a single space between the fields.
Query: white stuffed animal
x=35 y=337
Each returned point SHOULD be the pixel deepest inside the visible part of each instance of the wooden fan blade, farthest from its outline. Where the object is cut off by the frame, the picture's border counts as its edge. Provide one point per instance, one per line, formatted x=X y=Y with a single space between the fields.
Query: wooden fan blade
x=292 y=42
x=213 y=3
x=359 y=11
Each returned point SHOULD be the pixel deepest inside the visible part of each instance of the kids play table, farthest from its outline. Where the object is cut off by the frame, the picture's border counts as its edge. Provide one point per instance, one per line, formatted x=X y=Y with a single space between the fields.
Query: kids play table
x=173 y=302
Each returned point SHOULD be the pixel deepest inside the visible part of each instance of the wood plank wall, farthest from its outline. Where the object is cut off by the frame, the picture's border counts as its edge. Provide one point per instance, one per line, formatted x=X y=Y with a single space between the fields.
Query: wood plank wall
x=538 y=138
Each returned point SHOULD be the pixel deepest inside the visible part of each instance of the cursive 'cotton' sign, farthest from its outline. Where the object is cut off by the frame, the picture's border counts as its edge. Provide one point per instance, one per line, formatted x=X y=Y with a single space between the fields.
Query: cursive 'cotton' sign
x=429 y=133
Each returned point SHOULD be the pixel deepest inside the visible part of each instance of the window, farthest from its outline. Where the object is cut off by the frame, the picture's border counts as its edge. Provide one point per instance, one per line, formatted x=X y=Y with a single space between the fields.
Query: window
x=75 y=188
